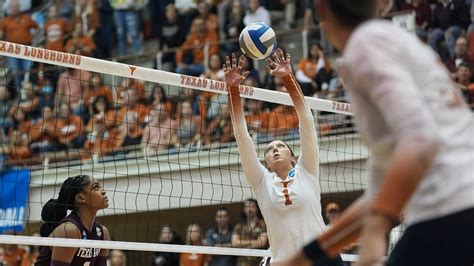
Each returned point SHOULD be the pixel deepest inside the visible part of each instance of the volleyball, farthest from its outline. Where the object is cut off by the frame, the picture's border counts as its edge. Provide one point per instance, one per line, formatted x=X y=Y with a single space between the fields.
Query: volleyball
x=257 y=40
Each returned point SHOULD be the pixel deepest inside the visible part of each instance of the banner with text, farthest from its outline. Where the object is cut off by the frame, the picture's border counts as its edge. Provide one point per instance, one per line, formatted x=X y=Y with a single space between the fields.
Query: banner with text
x=13 y=195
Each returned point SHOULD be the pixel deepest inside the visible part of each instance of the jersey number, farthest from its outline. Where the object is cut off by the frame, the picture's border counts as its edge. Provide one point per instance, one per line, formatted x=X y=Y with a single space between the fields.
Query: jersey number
x=285 y=193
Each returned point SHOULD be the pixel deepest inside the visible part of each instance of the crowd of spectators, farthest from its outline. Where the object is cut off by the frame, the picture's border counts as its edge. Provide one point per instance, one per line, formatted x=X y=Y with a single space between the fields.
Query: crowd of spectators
x=55 y=110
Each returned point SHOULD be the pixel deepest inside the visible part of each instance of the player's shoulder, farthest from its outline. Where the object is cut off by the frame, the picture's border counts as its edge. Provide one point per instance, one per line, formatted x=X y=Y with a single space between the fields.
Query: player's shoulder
x=374 y=33
x=67 y=229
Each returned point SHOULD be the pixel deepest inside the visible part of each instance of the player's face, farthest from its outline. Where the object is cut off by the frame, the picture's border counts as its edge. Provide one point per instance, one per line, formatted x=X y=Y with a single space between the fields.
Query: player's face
x=94 y=195
x=277 y=153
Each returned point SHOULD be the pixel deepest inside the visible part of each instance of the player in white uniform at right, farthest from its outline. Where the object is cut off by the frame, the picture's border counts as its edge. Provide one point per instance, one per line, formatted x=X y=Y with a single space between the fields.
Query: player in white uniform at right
x=421 y=135
x=287 y=190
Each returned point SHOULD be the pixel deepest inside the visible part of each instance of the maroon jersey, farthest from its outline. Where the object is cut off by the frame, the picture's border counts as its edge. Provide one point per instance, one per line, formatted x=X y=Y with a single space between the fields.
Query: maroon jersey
x=83 y=256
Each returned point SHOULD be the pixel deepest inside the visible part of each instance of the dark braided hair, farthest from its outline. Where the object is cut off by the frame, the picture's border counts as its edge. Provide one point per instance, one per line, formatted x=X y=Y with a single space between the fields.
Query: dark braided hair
x=56 y=209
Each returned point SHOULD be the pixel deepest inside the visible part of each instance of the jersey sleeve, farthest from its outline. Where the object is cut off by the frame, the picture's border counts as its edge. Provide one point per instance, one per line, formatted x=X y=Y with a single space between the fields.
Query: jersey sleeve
x=251 y=165
x=309 y=157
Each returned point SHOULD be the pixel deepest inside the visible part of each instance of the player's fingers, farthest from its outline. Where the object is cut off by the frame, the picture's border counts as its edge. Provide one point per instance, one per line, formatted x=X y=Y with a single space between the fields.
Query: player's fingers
x=288 y=57
x=275 y=56
x=245 y=74
x=224 y=67
x=234 y=61
x=227 y=62
x=269 y=70
x=241 y=61
x=270 y=62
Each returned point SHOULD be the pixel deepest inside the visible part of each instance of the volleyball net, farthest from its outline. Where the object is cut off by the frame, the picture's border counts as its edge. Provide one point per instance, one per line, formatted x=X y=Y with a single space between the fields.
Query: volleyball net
x=160 y=143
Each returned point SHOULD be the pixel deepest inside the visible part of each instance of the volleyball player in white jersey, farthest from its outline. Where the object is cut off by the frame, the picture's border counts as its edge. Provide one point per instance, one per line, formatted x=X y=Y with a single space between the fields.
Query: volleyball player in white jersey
x=287 y=190
x=421 y=135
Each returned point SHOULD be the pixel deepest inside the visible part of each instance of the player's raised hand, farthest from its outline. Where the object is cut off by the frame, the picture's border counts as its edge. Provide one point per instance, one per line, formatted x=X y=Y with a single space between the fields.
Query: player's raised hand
x=233 y=71
x=279 y=66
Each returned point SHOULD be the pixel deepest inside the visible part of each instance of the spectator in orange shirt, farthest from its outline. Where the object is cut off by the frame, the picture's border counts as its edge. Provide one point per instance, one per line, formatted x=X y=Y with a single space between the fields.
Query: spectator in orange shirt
x=43 y=133
x=72 y=134
x=55 y=29
x=256 y=115
x=193 y=237
x=190 y=57
x=17 y=148
x=130 y=103
x=209 y=18
x=282 y=119
x=17 y=28
x=97 y=88
x=13 y=255
x=130 y=83
x=314 y=71
x=80 y=43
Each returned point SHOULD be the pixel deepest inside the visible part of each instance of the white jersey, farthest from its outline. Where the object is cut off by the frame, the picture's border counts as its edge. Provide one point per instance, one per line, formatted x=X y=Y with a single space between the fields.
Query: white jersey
x=398 y=86
x=291 y=208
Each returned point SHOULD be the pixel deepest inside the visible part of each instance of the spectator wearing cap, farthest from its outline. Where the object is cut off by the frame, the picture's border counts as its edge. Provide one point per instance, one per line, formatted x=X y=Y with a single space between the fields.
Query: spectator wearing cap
x=332 y=212
x=18 y=28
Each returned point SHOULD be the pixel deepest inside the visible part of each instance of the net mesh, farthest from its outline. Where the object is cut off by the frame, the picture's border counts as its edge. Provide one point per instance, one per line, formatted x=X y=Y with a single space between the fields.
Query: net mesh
x=160 y=143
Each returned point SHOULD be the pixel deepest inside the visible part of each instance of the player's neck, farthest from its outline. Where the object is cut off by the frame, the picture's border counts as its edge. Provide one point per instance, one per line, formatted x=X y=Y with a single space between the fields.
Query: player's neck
x=342 y=38
x=283 y=171
x=87 y=218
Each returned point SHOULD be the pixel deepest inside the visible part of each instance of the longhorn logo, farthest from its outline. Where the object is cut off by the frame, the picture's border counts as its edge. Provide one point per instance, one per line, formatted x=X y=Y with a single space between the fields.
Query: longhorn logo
x=132 y=69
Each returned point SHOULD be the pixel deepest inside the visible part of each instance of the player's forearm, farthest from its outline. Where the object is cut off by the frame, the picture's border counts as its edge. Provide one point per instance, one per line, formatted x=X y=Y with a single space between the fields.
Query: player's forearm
x=310 y=150
x=237 y=112
x=412 y=158
x=296 y=95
